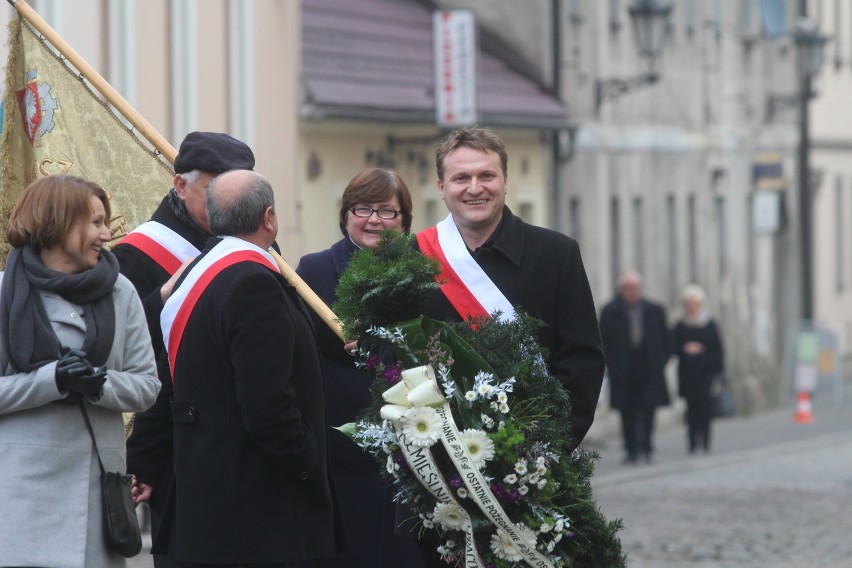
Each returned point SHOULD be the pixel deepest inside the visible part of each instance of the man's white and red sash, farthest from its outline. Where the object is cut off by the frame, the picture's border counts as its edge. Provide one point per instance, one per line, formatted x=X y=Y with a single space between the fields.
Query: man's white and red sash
x=180 y=304
x=163 y=245
x=470 y=291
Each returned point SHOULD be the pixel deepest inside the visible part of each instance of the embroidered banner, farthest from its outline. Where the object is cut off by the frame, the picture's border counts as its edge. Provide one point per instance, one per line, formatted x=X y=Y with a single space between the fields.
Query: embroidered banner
x=54 y=124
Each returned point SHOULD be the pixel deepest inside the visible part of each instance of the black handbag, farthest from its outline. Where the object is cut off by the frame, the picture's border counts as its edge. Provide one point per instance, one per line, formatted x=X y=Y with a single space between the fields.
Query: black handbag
x=121 y=526
x=723 y=399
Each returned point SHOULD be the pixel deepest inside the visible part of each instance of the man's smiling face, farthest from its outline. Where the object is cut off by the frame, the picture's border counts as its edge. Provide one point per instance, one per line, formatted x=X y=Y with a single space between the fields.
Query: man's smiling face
x=474 y=189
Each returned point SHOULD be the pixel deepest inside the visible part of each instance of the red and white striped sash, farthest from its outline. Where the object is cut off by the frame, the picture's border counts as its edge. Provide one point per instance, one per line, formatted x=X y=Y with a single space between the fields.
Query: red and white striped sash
x=470 y=291
x=163 y=245
x=180 y=304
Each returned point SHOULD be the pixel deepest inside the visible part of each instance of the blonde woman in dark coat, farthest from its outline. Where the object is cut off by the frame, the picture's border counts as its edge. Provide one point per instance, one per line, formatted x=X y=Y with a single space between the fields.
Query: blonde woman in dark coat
x=698 y=347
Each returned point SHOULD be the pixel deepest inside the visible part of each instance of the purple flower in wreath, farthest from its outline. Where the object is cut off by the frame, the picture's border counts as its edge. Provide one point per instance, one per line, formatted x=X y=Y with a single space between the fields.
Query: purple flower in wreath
x=392 y=374
x=372 y=361
x=500 y=492
x=456 y=482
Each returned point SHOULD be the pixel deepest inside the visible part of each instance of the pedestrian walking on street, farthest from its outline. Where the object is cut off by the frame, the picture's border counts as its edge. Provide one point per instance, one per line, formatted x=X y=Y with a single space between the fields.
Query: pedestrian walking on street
x=698 y=347
x=637 y=345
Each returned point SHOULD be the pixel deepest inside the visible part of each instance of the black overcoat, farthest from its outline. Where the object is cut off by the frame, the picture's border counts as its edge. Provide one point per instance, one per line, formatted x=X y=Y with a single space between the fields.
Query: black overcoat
x=624 y=366
x=696 y=373
x=150 y=448
x=541 y=272
x=364 y=498
x=251 y=482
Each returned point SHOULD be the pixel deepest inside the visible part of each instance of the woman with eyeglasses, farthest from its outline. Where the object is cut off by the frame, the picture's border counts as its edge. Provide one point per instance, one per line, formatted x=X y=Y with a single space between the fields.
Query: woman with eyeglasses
x=374 y=200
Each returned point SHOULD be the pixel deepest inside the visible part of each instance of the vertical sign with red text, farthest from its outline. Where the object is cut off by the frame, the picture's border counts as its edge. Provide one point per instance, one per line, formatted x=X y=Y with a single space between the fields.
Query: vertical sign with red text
x=454 y=34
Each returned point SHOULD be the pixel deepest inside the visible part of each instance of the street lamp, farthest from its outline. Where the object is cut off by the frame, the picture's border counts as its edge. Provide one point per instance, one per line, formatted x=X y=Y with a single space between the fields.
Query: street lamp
x=810 y=44
x=650 y=27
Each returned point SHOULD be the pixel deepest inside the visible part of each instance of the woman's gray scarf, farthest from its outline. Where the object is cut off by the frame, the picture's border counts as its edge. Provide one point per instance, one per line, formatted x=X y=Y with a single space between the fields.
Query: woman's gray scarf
x=27 y=334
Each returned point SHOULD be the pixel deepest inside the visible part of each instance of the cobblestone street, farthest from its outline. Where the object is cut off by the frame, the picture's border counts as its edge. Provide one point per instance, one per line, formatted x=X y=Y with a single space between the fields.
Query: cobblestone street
x=784 y=505
x=773 y=494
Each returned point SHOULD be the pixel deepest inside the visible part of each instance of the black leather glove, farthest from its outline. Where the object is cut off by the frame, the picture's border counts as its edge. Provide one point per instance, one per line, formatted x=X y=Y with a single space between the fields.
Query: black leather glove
x=75 y=374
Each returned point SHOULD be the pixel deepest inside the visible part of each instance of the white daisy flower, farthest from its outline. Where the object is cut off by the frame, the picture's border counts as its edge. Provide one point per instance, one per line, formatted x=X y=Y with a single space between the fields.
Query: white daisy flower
x=544 y=528
x=484 y=390
x=510 y=479
x=421 y=426
x=521 y=466
x=451 y=517
x=523 y=489
x=462 y=493
x=505 y=548
x=479 y=445
x=502 y=397
x=541 y=483
x=470 y=395
x=533 y=478
x=504 y=408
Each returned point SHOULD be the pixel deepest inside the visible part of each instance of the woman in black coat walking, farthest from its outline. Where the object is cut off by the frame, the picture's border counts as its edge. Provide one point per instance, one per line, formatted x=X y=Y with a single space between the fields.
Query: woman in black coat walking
x=698 y=347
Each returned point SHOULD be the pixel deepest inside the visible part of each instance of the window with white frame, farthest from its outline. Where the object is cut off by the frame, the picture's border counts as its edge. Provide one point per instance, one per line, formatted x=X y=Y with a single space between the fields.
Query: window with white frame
x=639 y=235
x=184 y=58
x=692 y=238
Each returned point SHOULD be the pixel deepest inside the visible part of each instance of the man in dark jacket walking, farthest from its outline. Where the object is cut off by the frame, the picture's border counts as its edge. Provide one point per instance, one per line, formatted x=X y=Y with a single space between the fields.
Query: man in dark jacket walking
x=637 y=345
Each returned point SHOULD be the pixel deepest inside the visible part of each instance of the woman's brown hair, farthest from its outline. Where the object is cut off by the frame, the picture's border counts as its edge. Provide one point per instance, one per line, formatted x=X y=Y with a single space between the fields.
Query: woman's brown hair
x=48 y=209
x=374 y=185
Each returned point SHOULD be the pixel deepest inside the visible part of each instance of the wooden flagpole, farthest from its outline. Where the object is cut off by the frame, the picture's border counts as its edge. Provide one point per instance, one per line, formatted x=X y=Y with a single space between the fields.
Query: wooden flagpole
x=161 y=144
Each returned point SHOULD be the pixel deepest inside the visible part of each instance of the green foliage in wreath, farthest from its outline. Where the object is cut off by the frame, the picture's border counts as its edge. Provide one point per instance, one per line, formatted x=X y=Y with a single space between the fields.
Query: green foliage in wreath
x=495 y=377
x=390 y=284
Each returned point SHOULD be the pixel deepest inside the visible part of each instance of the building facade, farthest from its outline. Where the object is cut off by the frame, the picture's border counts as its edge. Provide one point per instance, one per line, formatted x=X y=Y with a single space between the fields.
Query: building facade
x=831 y=172
x=690 y=179
x=220 y=65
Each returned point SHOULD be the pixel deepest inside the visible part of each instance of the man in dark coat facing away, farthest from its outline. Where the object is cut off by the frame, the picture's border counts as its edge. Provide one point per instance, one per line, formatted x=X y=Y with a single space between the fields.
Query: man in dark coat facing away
x=250 y=482
x=637 y=346
x=151 y=257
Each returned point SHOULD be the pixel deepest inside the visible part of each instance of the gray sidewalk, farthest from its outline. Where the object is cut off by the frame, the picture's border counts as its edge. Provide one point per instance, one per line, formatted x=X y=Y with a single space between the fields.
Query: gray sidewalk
x=730 y=438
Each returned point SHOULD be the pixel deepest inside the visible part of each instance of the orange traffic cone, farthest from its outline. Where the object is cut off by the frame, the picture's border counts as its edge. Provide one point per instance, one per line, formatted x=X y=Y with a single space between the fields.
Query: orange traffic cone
x=803 y=413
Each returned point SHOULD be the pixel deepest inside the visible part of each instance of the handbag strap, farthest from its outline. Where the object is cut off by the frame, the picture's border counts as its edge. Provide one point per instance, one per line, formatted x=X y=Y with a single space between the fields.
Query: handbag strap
x=92 y=434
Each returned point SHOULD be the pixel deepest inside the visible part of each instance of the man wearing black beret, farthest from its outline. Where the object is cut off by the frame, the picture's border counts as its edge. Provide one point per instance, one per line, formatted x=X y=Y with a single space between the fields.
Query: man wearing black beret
x=152 y=256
